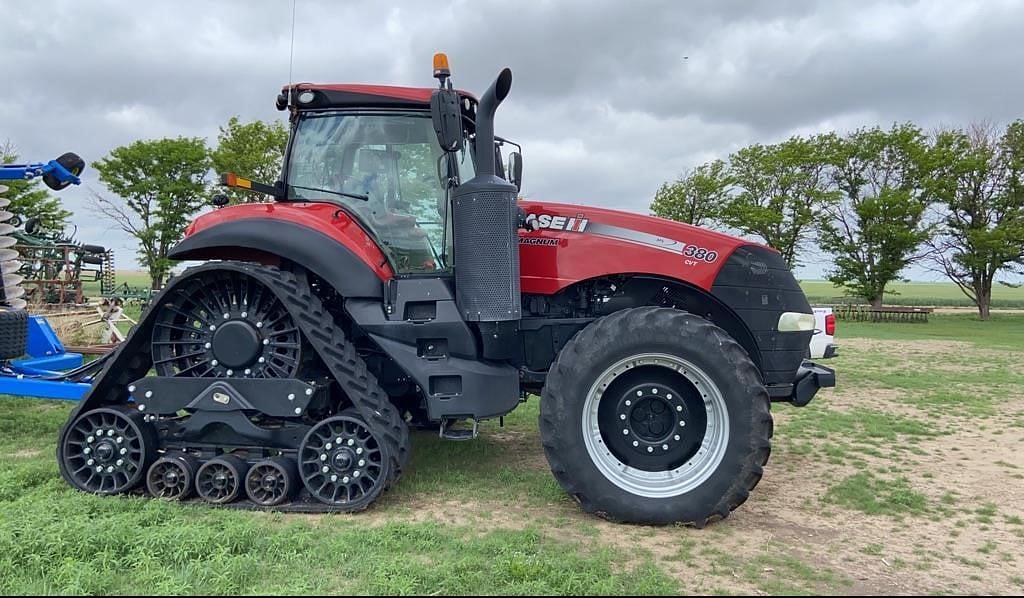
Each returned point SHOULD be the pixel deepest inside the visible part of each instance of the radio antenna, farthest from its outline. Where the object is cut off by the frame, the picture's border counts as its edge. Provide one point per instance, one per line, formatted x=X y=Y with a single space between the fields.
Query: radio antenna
x=291 y=57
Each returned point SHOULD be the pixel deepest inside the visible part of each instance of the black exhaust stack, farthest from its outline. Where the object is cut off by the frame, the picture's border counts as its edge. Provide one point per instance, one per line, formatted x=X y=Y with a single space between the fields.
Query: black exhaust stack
x=485 y=222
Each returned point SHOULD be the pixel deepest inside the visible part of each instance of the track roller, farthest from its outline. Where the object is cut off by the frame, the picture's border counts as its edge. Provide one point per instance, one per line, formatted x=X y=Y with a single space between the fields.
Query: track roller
x=171 y=477
x=220 y=480
x=272 y=481
x=107 y=450
x=343 y=464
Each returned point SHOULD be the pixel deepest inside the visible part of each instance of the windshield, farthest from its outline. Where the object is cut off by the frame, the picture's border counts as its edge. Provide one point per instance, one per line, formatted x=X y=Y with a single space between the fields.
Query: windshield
x=393 y=160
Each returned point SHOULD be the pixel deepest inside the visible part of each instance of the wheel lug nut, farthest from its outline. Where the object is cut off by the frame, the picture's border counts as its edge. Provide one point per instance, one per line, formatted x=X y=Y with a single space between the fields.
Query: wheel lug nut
x=110 y=468
x=90 y=462
x=245 y=314
x=654 y=391
x=90 y=439
x=323 y=457
x=625 y=431
x=124 y=451
x=291 y=396
x=87 y=450
x=131 y=388
x=214 y=362
x=650 y=449
x=226 y=316
x=263 y=359
x=328 y=446
x=664 y=447
x=355 y=473
x=99 y=469
x=120 y=462
x=247 y=371
x=298 y=410
x=628 y=403
x=676 y=437
x=259 y=324
x=351 y=442
x=682 y=423
x=362 y=462
x=345 y=480
x=622 y=416
x=266 y=341
x=359 y=451
x=678 y=407
x=669 y=396
x=325 y=469
x=110 y=432
x=309 y=392
x=231 y=372
x=208 y=345
x=639 y=393
x=334 y=477
x=119 y=439
x=635 y=443
x=212 y=327
x=338 y=440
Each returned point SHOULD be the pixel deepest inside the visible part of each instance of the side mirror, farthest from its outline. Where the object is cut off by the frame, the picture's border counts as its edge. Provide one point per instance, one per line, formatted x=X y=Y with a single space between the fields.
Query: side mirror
x=515 y=170
x=447 y=116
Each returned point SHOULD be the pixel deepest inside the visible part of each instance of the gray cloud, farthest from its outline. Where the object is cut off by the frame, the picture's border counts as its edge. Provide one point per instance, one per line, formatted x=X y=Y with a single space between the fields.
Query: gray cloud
x=610 y=98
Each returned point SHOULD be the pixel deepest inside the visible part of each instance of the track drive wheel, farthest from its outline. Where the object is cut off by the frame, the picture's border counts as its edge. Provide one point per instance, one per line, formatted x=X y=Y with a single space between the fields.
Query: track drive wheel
x=172 y=477
x=343 y=464
x=107 y=450
x=655 y=415
x=272 y=481
x=221 y=480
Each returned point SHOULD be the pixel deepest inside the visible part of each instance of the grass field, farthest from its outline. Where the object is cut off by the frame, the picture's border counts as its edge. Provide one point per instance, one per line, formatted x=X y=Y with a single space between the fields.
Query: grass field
x=907 y=478
x=942 y=294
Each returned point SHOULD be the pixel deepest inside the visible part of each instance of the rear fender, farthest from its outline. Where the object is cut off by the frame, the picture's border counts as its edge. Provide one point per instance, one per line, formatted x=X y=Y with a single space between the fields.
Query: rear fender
x=269 y=241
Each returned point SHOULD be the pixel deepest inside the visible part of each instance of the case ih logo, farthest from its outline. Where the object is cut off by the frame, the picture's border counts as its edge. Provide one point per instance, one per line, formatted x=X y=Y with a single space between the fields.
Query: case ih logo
x=576 y=224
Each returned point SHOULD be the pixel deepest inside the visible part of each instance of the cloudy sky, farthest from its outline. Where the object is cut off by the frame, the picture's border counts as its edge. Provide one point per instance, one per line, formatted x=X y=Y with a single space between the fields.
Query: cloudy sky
x=610 y=98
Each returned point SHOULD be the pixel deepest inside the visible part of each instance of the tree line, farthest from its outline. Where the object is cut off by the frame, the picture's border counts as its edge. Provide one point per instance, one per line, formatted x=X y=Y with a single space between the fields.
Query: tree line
x=875 y=201
x=157 y=185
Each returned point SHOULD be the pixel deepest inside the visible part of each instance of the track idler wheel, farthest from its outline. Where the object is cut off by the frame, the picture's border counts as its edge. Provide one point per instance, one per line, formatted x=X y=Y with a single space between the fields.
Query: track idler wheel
x=272 y=481
x=221 y=480
x=108 y=450
x=172 y=477
x=343 y=464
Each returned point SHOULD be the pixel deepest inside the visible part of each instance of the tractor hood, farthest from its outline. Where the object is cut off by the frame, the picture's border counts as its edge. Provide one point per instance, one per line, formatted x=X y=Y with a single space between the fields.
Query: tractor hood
x=571 y=243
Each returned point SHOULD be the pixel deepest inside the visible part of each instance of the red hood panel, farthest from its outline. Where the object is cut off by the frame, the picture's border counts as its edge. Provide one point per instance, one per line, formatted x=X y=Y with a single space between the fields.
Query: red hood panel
x=575 y=243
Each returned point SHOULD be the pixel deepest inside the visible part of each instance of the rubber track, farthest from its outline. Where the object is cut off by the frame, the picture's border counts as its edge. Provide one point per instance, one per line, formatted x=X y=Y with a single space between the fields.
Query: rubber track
x=133 y=360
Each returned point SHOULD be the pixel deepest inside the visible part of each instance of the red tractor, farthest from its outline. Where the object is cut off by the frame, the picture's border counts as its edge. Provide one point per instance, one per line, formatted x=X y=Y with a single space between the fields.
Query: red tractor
x=395 y=281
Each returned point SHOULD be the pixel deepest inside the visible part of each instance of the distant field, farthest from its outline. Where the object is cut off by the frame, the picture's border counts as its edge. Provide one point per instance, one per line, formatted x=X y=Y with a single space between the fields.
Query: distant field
x=943 y=294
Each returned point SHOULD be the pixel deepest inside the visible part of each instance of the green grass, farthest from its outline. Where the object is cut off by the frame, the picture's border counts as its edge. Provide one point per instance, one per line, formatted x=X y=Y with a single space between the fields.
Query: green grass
x=869 y=494
x=939 y=294
x=487 y=516
x=1001 y=331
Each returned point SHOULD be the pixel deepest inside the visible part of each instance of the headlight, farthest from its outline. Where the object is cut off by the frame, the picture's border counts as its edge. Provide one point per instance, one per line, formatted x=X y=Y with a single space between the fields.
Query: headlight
x=792 y=321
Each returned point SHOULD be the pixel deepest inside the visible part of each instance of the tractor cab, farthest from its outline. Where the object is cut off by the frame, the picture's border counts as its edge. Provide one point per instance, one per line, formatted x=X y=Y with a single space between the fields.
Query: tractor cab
x=377 y=152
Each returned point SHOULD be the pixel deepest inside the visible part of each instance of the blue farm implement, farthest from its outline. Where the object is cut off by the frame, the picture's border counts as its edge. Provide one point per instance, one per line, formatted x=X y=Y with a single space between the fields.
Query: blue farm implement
x=33 y=362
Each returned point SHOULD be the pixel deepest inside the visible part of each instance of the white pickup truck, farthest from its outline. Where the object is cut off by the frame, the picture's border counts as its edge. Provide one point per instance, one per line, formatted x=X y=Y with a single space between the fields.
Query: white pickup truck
x=822 y=345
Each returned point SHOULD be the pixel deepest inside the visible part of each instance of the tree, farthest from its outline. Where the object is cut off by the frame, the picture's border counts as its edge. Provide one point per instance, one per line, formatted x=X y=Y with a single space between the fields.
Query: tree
x=876 y=228
x=783 y=189
x=253 y=150
x=159 y=184
x=695 y=197
x=29 y=199
x=980 y=187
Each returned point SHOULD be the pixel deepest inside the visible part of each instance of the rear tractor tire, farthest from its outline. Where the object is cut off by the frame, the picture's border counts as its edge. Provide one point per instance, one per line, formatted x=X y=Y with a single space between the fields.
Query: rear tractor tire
x=654 y=415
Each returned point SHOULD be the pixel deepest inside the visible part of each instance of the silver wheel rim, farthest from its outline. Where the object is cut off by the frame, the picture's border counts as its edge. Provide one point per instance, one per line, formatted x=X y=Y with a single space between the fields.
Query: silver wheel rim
x=668 y=483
